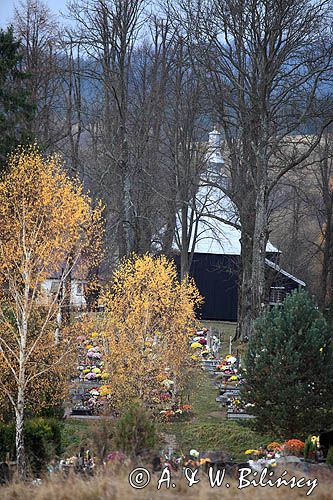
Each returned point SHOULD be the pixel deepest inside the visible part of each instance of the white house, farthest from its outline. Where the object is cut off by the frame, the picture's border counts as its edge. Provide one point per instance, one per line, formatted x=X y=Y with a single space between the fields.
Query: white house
x=50 y=287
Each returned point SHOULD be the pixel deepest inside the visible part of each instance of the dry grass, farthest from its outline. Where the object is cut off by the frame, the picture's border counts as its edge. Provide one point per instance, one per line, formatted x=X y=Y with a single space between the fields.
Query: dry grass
x=225 y=328
x=116 y=487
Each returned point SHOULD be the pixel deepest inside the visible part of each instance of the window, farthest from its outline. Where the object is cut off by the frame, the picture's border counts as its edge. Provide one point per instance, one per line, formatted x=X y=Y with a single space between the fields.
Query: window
x=277 y=294
x=54 y=287
x=79 y=289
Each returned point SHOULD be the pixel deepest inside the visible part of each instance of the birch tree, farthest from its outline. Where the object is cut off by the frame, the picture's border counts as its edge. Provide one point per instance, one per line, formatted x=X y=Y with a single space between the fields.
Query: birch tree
x=149 y=317
x=45 y=222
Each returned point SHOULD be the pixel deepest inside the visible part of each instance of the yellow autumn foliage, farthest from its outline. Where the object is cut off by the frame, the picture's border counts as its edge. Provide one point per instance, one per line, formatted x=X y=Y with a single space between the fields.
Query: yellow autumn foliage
x=46 y=226
x=44 y=215
x=148 y=317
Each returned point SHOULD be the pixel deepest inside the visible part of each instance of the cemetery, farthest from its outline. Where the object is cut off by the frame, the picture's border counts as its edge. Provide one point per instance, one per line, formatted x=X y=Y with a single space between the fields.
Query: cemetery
x=225 y=374
x=166 y=249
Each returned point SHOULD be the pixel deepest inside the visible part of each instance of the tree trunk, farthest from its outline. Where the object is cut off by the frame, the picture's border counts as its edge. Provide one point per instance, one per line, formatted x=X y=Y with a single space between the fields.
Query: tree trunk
x=244 y=326
x=251 y=289
x=67 y=295
x=184 y=260
x=19 y=410
x=20 y=406
x=19 y=437
x=168 y=236
x=259 y=255
x=128 y=212
x=325 y=298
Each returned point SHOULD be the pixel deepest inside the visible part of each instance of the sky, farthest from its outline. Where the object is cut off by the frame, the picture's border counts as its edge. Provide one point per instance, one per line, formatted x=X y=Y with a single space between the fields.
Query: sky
x=7 y=9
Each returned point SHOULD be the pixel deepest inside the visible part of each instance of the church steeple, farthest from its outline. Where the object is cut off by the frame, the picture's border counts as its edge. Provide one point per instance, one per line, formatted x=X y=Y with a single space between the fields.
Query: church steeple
x=214 y=148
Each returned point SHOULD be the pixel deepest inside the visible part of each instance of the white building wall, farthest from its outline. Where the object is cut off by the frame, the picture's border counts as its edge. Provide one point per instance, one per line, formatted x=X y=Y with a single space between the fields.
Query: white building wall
x=51 y=285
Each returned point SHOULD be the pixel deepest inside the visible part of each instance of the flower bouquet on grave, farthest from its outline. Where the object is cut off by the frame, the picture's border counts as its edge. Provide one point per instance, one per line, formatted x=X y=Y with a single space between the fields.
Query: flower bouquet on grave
x=253 y=453
x=222 y=366
x=186 y=410
x=230 y=359
x=100 y=404
x=229 y=371
x=274 y=446
x=166 y=415
x=205 y=353
x=105 y=390
x=233 y=382
x=164 y=396
x=196 y=345
x=167 y=383
x=176 y=413
x=93 y=353
x=116 y=457
x=269 y=454
x=91 y=403
x=293 y=447
x=235 y=405
x=91 y=397
x=195 y=357
x=181 y=412
x=94 y=392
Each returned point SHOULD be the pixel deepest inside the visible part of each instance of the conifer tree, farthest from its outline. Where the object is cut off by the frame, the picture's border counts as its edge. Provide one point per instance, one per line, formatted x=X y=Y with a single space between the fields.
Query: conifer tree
x=289 y=369
x=16 y=110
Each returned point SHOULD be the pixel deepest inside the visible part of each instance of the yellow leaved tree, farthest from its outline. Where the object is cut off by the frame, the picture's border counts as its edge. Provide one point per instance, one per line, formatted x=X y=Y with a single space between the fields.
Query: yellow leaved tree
x=46 y=224
x=149 y=316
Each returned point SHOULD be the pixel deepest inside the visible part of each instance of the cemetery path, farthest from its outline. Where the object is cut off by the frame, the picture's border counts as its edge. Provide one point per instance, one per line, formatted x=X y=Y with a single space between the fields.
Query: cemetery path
x=205 y=408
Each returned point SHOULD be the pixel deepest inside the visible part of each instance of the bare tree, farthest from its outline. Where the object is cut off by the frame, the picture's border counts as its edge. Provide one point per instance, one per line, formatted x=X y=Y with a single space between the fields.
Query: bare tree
x=73 y=101
x=302 y=224
x=148 y=109
x=184 y=149
x=262 y=62
x=107 y=31
x=325 y=185
x=37 y=27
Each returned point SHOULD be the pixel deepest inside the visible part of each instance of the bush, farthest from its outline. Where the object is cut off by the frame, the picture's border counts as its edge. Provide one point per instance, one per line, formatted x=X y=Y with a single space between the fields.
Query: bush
x=7 y=440
x=289 y=365
x=310 y=449
x=101 y=433
x=135 y=431
x=329 y=457
x=42 y=440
